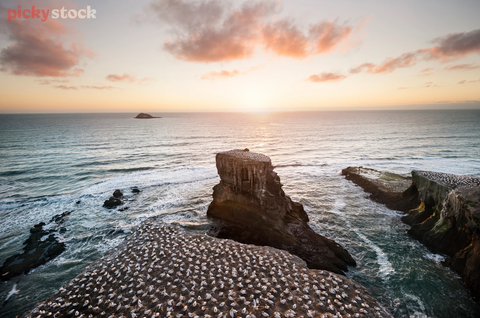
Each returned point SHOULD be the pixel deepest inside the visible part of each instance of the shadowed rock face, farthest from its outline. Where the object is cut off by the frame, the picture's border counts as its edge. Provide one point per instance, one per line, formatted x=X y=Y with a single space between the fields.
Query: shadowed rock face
x=443 y=210
x=254 y=209
x=447 y=221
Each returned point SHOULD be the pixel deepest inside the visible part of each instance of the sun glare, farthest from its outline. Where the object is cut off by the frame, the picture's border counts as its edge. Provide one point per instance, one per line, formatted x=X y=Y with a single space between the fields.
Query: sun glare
x=254 y=101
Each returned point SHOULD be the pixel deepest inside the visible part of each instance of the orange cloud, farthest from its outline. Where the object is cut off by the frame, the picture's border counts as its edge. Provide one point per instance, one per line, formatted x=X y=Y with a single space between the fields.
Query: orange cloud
x=328 y=35
x=284 y=38
x=326 y=77
x=219 y=75
x=210 y=31
x=121 y=78
x=462 y=67
x=41 y=49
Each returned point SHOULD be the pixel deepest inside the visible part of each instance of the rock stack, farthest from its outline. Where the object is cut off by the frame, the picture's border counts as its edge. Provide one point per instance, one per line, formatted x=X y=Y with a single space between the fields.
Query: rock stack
x=253 y=208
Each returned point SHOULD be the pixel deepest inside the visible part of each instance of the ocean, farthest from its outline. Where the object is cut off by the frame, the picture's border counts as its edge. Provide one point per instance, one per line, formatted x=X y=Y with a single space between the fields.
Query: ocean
x=49 y=162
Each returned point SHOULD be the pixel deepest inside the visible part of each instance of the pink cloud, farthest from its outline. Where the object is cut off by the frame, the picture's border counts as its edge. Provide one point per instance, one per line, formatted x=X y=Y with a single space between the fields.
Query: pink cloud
x=284 y=38
x=66 y=87
x=121 y=78
x=98 y=87
x=42 y=49
x=450 y=47
x=326 y=77
x=462 y=67
x=456 y=45
x=426 y=70
x=327 y=35
x=220 y=75
x=211 y=31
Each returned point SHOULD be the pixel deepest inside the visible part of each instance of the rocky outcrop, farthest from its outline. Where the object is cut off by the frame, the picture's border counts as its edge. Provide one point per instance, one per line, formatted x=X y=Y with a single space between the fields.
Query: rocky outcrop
x=114 y=201
x=443 y=211
x=393 y=190
x=447 y=221
x=145 y=116
x=40 y=247
x=254 y=209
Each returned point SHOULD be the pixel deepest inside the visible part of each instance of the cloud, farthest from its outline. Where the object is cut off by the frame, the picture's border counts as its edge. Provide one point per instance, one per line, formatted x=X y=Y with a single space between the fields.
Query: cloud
x=41 y=49
x=426 y=70
x=121 y=78
x=98 y=87
x=462 y=67
x=211 y=31
x=284 y=38
x=462 y=82
x=426 y=85
x=66 y=87
x=456 y=45
x=220 y=75
x=327 y=35
x=450 y=47
x=146 y=80
x=50 y=81
x=326 y=77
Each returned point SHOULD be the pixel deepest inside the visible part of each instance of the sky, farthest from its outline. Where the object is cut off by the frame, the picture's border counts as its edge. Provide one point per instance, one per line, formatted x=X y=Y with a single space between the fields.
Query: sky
x=229 y=55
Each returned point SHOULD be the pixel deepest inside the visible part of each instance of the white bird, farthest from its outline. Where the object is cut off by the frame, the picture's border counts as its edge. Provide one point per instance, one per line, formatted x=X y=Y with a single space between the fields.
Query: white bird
x=14 y=291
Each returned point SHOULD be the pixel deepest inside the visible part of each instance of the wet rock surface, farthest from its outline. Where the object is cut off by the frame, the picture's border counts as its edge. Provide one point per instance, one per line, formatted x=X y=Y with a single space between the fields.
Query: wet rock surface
x=162 y=271
x=114 y=201
x=444 y=213
x=252 y=208
x=393 y=190
x=40 y=247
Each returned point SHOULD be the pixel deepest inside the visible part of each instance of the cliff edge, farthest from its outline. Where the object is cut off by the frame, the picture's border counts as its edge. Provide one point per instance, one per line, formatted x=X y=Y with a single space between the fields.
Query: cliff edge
x=254 y=209
x=443 y=211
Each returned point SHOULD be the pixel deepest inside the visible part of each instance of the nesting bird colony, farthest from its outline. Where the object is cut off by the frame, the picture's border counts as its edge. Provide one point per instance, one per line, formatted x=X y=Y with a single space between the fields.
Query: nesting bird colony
x=165 y=272
x=243 y=154
x=451 y=180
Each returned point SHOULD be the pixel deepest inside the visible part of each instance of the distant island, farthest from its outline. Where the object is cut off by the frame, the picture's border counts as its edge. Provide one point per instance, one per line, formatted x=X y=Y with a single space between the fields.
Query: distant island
x=145 y=116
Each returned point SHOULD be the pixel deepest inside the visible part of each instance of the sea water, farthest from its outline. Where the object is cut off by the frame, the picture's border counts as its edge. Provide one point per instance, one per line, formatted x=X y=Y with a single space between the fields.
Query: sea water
x=49 y=162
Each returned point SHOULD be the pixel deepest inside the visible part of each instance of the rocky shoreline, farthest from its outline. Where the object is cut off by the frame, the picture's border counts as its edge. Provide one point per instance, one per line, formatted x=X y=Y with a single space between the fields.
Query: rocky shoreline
x=162 y=271
x=442 y=209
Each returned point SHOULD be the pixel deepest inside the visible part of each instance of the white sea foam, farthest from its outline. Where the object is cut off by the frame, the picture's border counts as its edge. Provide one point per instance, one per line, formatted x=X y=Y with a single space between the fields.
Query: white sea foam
x=386 y=268
x=435 y=257
x=152 y=178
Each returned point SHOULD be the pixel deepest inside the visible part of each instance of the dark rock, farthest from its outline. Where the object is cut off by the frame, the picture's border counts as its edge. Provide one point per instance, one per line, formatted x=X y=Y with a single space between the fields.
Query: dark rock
x=443 y=211
x=78 y=202
x=117 y=194
x=145 y=116
x=123 y=209
x=112 y=203
x=135 y=190
x=35 y=253
x=253 y=209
